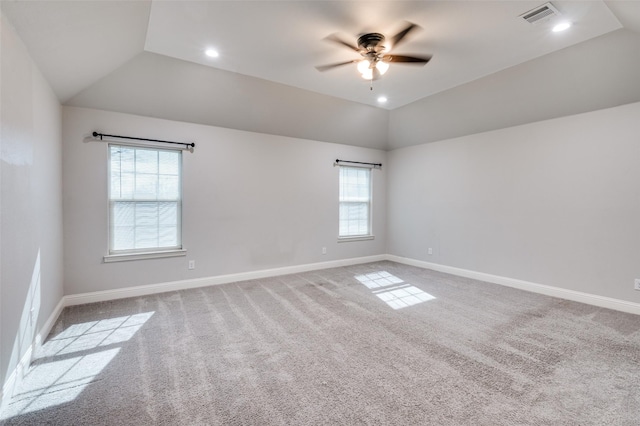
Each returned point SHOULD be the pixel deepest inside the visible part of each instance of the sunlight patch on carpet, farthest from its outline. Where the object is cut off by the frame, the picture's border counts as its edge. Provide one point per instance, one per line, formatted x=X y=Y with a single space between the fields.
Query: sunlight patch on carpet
x=393 y=290
x=67 y=363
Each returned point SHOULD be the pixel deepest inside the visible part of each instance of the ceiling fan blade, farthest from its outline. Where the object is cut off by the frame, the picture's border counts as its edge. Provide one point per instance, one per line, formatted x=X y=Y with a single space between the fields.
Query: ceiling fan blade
x=402 y=34
x=407 y=59
x=334 y=38
x=323 y=68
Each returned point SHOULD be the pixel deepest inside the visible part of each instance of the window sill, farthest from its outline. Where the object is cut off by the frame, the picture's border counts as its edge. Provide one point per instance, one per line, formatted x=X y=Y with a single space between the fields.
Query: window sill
x=356 y=238
x=141 y=256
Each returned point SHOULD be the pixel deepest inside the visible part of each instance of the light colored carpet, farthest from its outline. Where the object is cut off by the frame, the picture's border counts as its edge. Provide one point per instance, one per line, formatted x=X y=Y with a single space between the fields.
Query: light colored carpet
x=380 y=343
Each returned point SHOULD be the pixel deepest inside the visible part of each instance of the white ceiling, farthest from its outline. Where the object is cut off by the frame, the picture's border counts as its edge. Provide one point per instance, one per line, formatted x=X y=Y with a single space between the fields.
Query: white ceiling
x=75 y=43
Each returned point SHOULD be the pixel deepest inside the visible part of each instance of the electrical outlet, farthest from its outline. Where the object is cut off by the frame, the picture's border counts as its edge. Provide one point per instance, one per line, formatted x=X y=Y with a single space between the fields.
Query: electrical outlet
x=636 y=285
x=430 y=251
x=192 y=264
x=324 y=250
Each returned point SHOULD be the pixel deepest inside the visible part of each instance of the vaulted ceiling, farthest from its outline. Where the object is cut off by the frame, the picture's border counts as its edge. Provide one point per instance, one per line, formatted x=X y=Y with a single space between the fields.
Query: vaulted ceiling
x=78 y=45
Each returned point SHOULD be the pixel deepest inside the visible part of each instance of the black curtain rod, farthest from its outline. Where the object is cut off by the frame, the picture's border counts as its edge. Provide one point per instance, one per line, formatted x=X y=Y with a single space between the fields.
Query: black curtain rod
x=379 y=165
x=96 y=134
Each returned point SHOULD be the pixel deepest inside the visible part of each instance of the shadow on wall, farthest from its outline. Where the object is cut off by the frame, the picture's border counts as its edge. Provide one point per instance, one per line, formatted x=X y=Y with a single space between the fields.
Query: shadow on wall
x=71 y=361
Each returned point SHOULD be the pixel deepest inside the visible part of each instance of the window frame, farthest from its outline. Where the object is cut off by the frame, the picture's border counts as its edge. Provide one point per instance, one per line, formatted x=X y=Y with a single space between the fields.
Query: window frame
x=359 y=237
x=148 y=252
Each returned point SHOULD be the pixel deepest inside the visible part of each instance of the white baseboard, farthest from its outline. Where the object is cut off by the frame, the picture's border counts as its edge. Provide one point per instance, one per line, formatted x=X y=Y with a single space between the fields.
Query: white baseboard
x=143 y=290
x=49 y=323
x=576 y=296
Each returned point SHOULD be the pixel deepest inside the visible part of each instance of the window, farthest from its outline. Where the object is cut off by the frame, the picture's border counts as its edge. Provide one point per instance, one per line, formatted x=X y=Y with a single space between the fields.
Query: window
x=145 y=200
x=355 y=202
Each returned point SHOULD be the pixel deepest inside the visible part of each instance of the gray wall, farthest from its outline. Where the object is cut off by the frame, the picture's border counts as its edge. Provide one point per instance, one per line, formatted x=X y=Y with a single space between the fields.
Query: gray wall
x=158 y=86
x=251 y=202
x=31 y=204
x=554 y=202
x=599 y=73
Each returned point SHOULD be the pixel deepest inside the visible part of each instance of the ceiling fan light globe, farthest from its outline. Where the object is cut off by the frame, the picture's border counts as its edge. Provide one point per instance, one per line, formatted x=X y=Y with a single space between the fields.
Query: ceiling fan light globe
x=382 y=67
x=364 y=66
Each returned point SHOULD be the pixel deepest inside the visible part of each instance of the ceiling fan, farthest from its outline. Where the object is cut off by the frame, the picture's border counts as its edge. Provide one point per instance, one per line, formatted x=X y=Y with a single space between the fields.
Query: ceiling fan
x=375 y=62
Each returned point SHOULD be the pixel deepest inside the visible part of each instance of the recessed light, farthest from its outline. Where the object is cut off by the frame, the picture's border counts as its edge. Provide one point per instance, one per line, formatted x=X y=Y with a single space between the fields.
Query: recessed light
x=561 y=27
x=382 y=99
x=212 y=53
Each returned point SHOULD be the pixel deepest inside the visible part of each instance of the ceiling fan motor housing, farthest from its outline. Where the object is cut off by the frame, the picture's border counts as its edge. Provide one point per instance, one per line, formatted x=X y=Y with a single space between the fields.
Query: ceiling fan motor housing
x=371 y=42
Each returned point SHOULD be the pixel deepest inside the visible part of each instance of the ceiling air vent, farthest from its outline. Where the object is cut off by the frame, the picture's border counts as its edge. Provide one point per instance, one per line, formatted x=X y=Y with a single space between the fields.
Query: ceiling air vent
x=540 y=14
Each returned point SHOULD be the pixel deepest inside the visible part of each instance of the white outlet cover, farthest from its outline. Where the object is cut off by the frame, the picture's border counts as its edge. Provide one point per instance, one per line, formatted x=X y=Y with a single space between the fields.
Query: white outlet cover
x=637 y=284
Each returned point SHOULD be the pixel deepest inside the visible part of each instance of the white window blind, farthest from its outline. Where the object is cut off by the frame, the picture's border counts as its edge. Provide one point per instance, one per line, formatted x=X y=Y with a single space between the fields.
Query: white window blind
x=145 y=199
x=355 y=202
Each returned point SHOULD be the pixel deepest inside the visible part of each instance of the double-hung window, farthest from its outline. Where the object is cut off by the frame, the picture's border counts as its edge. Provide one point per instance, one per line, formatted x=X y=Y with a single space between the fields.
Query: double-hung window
x=145 y=200
x=355 y=202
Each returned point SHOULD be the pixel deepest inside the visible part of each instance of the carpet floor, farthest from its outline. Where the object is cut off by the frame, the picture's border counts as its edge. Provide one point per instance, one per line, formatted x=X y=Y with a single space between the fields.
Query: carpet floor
x=380 y=344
